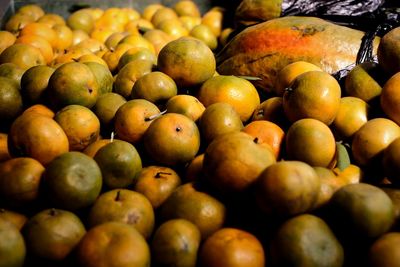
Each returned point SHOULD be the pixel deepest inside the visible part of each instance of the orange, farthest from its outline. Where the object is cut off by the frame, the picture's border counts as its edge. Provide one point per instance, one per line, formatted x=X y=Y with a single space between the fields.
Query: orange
x=288 y=73
x=78 y=36
x=384 y=252
x=11 y=104
x=298 y=242
x=189 y=22
x=100 y=70
x=111 y=244
x=372 y=138
x=362 y=82
x=366 y=210
x=73 y=83
x=80 y=124
x=52 y=19
x=16 y=22
x=81 y=20
x=200 y=208
x=186 y=8
x=137 y=41
x=353 y=113
x=174 y=28
x=168 y=247
x=388 y=50
x=12 y=71
x=34 y=11
x=91 y=44
x=233 y=161
x=172 y=139
x=20 y=180
x=34 y=83
x=158 y=38
x=313 y=94
x=271 y=109
x=4 y=155
x=155 y=87
x=64 y=38
x=232 y=247
x=37 y=136
x=70 y=55
x=106 y=106
x=16 y=218
x=40 y=109
x=188 y=61
x=129 y=74
x=266 y=132
x=72 y=181
x=136 y=54
x=40 y=29
x=205 y=34
x=92 y=149
x=287 y=188
x=125 y=206
x=119 y=162
x=137 y=26
x=156 y=183
x=43 y=238
x=112 y=41
x=330 y=183
x=40 y=43
x=218 y=119
x=390 y=161
x=213 y=18
x=22 y=55
x=6 y=39
x=149 y=11
x=187 y=105
x=238 y=92
x=133 y=118
x=311 y=141
x=194 y=169
x=390 y=98
x=12 y=245
x=224 y=37
x=163 y=14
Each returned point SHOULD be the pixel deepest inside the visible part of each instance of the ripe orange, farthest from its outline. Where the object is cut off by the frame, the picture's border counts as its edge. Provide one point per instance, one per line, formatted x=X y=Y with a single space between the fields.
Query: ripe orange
x=187 y=105
x=172 y=139
x=34 y=83
x=111 y=244
x=390 y=98
x=266 y=132
x=372 y=138
x=311 y=141
x=384 y=252
x=314 y=94
x=231 y=247
x=22 y=55
x=40 y=29
x=12 y=245
x=287 y=74
x=133 y=118
x=233 y=161
x=40 y=43
x=238 y=92
x=37 y=136
x=6 y=39
x=80 y=124
x=156 y=183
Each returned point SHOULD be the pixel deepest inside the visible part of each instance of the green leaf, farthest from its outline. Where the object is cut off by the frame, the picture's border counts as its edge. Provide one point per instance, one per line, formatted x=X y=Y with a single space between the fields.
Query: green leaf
x=342 y=156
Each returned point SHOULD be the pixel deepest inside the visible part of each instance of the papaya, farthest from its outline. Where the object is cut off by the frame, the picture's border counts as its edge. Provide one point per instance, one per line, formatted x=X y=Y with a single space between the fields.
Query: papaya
x=263 y=49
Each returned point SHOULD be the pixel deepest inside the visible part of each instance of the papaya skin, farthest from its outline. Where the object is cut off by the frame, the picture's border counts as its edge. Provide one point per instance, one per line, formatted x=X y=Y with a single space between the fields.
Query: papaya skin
x=263 y=49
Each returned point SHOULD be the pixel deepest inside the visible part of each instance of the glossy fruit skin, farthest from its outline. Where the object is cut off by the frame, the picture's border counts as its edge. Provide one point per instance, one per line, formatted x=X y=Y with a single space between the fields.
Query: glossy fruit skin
x=231 y=247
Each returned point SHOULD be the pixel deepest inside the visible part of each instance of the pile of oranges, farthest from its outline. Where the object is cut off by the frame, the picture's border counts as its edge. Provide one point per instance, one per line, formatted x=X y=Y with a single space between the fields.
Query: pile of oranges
x=121 y=145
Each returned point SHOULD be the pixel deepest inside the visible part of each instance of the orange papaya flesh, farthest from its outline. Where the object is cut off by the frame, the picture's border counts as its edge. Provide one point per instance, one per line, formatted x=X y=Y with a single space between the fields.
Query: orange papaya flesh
x=263 y=49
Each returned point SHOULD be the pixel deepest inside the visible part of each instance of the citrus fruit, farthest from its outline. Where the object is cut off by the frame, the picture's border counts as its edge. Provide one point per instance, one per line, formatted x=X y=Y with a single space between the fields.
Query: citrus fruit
x=188 y=61
x=22 y=55
x=238 y=92
x=176 y=243
x=12 y=245
x=287 y=188
x=172 y=139
x=53 y=234
x=187 y=105
x=233 y=161
x=72 y=181
x=384 y=252
x=111 y=244
x=106 y=106
x=119 y=162
x=231 y=247
x=123 y=205
x=34 y=83
x=10 y=100
x=156 y=183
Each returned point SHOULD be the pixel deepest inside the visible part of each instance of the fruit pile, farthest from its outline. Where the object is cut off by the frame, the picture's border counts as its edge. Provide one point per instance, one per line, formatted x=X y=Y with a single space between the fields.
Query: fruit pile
x=125 y=140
